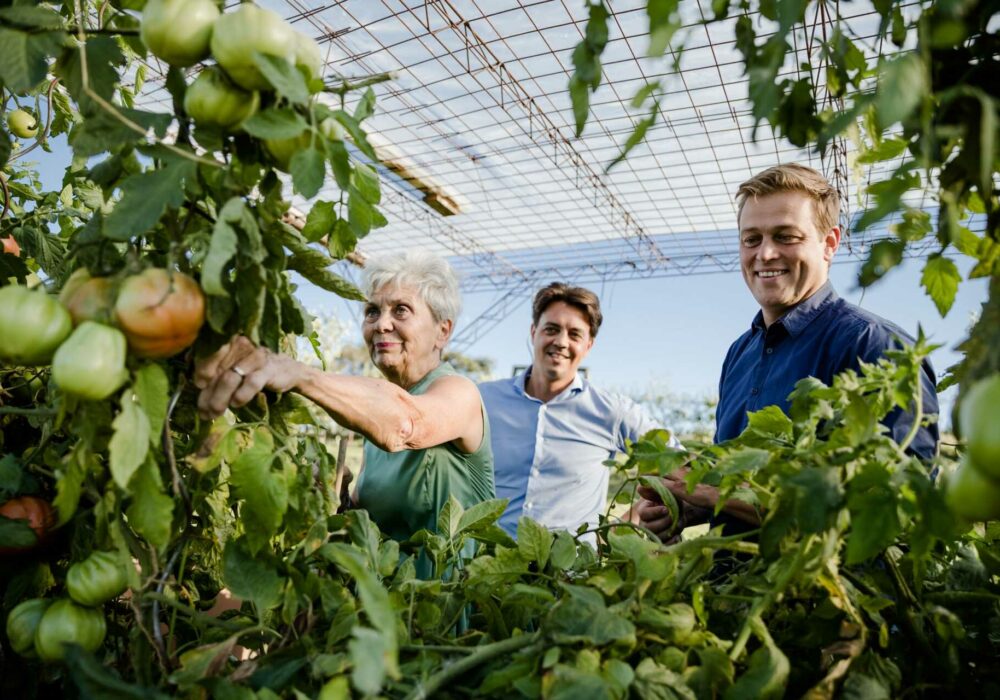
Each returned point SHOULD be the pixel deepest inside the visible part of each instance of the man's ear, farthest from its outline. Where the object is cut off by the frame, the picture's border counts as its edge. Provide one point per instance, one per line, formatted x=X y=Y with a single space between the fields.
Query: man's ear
x=831 y=243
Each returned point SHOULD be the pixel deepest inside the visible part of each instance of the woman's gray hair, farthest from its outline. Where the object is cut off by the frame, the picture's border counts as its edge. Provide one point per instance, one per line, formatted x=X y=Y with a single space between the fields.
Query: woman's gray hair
x=429 y=274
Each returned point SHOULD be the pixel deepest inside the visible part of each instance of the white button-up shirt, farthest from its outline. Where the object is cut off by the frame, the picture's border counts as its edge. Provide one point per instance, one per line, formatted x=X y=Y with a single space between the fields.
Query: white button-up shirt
x=548 y=457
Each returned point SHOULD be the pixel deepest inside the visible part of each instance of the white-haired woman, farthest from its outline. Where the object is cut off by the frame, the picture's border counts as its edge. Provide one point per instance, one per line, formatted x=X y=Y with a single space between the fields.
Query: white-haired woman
x=427 y=434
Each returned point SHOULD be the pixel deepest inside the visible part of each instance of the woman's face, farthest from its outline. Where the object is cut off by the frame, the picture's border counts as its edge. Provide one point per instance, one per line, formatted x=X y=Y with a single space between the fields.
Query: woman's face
x=403 y=339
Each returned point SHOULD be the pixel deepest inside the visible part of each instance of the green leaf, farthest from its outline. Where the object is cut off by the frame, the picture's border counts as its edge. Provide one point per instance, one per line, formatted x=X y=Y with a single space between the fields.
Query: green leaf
x=76 y=465
x=588 y=621
x=104 y=58
x=449 y=517
x=249 y=576
x=482 y=515
x=563 y=552
x=16 y=533
x=93 y=680
x=28 y=16
x=663 y=24
x=275 y=123
x=915 y=225
x=151 y=511
x=152 y=389
x=770 y=421
x=579 y=93
x=637 y=135
x=766 y=675
x=368 y=656
x=24 y=57
x=366 y=105
x=888 y=149
x=902 y=85
x=359 y=214
x=884 y=256
x=221 y=249
x=263 y=490
x=308 y=168
x=130 y=442
x=340 y=162
x=534 y=541
x=145 y=198
x=657 y=682
x=320 y=221
x=941 y=279
x=356 y=132
x=342 y=239
x=365 y=181
x=284 y=77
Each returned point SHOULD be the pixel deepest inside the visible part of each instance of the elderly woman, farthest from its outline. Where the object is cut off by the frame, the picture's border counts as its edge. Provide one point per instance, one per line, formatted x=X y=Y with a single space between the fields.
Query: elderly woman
x=427 y=434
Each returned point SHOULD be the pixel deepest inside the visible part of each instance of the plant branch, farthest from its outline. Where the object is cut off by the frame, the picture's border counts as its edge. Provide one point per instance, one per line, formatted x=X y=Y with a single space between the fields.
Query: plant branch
x=481 y=655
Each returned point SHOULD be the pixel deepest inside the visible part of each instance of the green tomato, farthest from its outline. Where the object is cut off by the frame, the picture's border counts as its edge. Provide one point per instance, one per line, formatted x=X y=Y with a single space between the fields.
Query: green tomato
x=97 y=579
x=91 y=363
x=213 y=100
x=22 y=622
x=32 y=325
x=979 y=419
x=237 y=35
x=65 y=622
x=972 y=495
x=22 y=124
x=178 y=31
x=282 y=150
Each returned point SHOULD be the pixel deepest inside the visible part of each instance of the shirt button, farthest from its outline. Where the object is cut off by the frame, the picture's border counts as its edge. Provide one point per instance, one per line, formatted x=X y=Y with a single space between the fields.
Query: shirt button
x=754 y=391
x=769 y=351
x=527 y=506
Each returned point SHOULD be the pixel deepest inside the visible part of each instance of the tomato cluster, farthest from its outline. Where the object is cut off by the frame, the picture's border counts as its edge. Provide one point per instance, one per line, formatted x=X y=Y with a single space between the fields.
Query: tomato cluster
x=184 y=32
x=974 y=489
x=158 y=313
x=43 y=627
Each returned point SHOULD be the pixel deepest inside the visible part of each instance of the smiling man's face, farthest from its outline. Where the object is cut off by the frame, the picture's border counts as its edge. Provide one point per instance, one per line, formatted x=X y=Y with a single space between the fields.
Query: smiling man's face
x=785 y=258
x=560 y=340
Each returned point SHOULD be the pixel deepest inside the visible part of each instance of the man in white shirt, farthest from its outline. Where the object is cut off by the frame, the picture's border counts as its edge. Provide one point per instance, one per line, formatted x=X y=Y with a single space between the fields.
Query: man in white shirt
x=551 y=429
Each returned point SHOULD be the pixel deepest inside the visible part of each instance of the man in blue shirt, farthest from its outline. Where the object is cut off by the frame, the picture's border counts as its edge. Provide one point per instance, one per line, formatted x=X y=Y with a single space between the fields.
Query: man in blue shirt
x=551 y=429
x=788 y=232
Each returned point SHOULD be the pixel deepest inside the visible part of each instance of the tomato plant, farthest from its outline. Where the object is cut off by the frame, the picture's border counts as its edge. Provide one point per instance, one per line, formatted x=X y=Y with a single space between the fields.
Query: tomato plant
x=178 y=31
x=237 y=35
x=91 y=363
x=864 y=579
x=22 y=621
x=214 y=101
x=65 y=622
x=32 y=325
x=97 y=579
x=160 y=312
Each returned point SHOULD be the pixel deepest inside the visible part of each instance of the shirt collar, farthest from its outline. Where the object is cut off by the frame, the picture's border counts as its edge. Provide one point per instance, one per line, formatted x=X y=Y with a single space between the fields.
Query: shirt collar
x=521 y=381
x=796 y=320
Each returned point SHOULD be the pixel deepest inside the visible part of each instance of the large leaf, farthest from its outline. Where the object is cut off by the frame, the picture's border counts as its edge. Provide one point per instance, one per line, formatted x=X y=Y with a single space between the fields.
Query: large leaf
x=308 y=168
x=534 y=541
x=250 y=576
x=145 y=198
x=941 y=279
x=262 y=488
x=277 y=123
x=283 y=76
x=152 y=390
x=222 y=248
x=130 y=442
x=151 y=511
x=24 y=57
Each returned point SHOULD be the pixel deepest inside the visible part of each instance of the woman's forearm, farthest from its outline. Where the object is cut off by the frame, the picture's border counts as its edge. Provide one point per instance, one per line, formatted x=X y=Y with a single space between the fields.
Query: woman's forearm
x=377 y=409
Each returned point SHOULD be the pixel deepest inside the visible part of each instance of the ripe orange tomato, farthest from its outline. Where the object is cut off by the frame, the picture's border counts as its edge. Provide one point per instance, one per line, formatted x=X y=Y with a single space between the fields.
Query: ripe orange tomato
x=160 y=312
x=39 y=513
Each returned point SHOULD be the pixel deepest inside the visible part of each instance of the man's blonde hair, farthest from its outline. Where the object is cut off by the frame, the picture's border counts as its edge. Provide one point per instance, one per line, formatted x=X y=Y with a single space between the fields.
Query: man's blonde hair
x=793 y=177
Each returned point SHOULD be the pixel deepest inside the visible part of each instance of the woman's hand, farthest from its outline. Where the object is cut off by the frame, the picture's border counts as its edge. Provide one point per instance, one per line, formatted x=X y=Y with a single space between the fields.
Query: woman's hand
x=240 y=370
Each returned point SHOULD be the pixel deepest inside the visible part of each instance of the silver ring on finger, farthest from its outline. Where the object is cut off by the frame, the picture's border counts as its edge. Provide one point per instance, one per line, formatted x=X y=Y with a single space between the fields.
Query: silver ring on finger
x=238 y=371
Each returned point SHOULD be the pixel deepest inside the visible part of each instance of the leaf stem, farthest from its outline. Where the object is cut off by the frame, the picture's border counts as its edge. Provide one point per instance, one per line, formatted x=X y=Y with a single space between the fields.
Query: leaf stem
x=481 y=655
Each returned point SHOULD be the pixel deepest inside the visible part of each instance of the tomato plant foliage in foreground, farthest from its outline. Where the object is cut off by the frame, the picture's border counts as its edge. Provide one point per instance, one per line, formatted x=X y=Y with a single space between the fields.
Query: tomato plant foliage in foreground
x=861 y=580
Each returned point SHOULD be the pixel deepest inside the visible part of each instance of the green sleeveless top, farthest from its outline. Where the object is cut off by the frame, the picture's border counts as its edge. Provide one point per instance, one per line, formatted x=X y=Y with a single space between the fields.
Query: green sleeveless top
x=404 y=492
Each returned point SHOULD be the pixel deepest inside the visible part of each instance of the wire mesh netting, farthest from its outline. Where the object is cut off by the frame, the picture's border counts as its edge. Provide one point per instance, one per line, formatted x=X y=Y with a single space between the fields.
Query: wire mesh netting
x=476 y=135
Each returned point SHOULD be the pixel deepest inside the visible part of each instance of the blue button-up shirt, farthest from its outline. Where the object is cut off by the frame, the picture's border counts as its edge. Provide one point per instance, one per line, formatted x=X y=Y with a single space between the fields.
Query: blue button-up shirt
x=821 y=337
x=548 y=456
